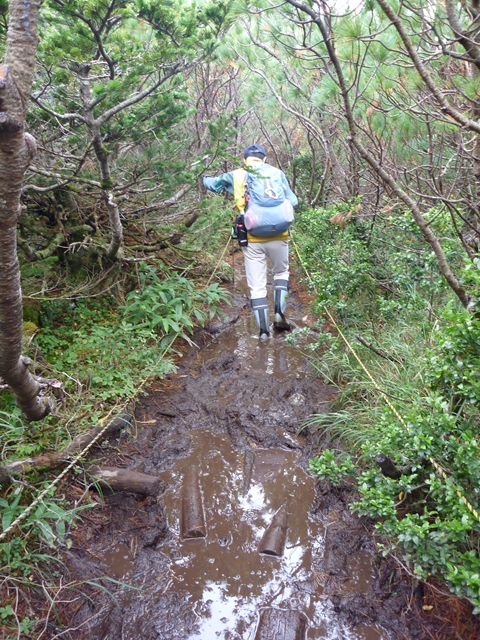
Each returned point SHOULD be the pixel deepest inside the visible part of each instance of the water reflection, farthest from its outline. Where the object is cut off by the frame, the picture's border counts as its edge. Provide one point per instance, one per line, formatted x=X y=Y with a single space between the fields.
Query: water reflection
x=275 y=356
x=226 y=577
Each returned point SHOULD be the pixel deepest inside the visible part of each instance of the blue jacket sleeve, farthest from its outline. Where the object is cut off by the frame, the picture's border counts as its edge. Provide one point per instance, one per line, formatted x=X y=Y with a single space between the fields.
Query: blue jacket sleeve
x=219 y=184
x=288 y=192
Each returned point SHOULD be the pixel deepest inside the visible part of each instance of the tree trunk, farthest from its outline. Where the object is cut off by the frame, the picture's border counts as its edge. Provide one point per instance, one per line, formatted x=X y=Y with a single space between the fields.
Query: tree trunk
x=101 y=153
x=111 y=205
x=16 y=151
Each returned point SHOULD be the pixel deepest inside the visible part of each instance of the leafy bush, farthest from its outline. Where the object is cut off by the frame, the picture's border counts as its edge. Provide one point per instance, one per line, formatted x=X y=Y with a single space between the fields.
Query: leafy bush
x=331 y=467
x=108 y=353
x=170 y=306
x=422 y=515
x=430 y=371
x=454 y=363
x=339 y=262
x=362 y=268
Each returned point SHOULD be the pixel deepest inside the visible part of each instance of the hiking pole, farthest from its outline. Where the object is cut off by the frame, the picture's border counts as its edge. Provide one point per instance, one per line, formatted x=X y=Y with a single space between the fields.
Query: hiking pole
x=233 y=266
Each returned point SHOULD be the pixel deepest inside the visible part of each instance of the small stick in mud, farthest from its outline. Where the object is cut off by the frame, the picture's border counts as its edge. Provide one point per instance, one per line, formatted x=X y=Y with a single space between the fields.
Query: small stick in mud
x=281 y=624
x=193 y=521
x=273 y=540
x=247 y=470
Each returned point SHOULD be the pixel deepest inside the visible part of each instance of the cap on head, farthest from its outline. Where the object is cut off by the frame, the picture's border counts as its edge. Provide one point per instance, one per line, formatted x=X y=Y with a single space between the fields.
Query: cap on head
x=254 y=149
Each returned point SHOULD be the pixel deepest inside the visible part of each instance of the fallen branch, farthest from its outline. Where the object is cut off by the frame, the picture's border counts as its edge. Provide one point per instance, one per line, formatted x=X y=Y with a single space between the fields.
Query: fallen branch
x=9 y=471
x=379 y=352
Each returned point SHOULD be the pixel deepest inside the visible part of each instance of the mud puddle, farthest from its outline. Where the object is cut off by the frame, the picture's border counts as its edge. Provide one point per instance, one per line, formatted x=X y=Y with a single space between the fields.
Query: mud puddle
x=233 y=413
x=224 y=574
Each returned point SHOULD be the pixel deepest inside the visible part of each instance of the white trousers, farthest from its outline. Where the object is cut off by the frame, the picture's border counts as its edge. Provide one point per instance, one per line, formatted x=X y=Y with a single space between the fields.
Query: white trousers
x=255 y=256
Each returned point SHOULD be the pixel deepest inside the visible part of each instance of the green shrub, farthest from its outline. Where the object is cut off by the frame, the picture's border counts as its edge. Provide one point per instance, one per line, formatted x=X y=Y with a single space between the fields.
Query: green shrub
x=429 y=371
x=172 y=305
x=363 y=268
x=331 y=467
x=108 y=352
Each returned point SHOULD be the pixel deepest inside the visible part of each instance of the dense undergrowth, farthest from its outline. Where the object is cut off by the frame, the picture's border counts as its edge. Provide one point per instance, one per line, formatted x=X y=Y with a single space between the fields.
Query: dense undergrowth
x=380 y=282
x=99 y=353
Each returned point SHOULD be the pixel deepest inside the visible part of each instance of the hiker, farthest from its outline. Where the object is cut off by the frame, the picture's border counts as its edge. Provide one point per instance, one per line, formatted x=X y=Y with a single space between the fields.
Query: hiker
x=265 y=203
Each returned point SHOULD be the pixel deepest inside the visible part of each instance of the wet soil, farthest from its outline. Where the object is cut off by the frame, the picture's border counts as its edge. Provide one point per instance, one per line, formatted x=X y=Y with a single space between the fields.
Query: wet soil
x=233 y=413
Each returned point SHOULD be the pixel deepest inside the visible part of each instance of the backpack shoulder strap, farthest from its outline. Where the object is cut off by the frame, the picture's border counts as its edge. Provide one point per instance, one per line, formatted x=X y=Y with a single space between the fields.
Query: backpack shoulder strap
x=239 y=184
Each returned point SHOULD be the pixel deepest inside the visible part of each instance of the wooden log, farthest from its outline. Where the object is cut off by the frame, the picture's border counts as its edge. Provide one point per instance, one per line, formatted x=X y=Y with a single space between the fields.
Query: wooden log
x=125 y=480
x=388 y=468
x=274 y=538
x=281 y=624
x=191 y=219
x=122 y=421
x=61 y=458
x=193 y=520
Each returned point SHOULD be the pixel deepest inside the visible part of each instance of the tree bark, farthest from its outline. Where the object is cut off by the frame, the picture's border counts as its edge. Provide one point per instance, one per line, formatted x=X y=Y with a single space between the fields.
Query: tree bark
x=16 y=152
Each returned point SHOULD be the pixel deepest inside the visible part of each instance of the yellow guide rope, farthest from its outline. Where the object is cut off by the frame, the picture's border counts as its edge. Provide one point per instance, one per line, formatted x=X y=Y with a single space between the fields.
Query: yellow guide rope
x=434 y=463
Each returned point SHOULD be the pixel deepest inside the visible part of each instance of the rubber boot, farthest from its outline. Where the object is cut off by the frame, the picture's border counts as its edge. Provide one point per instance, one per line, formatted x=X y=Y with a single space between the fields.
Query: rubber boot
x=260 y=310
x=280 y=293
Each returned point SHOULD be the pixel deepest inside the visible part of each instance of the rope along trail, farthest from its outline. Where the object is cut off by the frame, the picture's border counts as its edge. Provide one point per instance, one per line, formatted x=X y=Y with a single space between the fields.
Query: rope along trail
x=441 y=472
x=116 y=408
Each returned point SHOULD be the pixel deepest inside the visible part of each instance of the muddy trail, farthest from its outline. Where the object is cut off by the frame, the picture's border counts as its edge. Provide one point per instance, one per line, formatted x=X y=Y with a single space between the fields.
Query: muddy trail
x=194 y=562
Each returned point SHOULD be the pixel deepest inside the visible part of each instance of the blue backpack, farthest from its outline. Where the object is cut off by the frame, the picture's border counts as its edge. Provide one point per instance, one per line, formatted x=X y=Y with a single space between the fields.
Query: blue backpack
x=267 y=212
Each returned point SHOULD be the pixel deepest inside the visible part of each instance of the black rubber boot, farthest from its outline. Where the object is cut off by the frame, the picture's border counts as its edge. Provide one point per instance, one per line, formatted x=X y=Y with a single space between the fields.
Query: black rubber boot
x=260 y=310
x=280 y=293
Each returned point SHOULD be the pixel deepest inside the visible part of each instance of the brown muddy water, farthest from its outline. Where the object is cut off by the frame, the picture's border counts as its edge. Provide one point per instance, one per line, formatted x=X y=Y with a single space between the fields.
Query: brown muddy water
x=232 y=415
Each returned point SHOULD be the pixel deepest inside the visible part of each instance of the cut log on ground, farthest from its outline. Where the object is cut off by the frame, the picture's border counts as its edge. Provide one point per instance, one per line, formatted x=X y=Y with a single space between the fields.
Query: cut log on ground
x=274 y=538
x=193 y=520
x=281 y=624
x=125 y=480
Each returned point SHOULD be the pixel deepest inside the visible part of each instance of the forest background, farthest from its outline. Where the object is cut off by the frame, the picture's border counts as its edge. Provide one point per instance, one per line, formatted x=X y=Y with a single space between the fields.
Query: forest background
x=373 y=113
